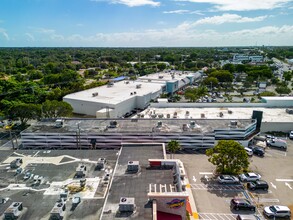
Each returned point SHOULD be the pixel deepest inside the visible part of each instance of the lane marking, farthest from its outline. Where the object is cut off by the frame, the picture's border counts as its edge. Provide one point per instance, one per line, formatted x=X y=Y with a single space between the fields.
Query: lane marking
x=206 y=177
x=206 y=173
x=287 y=184
x=193 y=178
x=274 y=186
x=284 y=180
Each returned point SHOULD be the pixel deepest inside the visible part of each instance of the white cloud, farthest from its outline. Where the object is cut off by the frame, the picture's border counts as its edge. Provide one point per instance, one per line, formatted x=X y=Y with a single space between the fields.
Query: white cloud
x=132 y=3
x=183 y=12
x=4 y=34
x=242 y=5
x=228 y=18
x=30 y=37
x=44 y=30
x=186 y=35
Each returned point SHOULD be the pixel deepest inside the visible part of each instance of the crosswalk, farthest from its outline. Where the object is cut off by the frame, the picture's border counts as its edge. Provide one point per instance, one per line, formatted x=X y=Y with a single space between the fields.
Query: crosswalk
x=219 y=216
x=216 y=187
x=216 y=216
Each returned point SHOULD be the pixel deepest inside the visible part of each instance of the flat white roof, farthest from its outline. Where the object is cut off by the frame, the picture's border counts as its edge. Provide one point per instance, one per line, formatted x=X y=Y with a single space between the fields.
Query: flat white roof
x=167 y=75
x=269 y=114
x=278 y=98
x=117 y=93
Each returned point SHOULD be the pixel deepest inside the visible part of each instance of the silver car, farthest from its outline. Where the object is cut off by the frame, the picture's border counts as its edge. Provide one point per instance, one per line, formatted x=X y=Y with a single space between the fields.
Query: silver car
x=227 y=179
x=277 y=211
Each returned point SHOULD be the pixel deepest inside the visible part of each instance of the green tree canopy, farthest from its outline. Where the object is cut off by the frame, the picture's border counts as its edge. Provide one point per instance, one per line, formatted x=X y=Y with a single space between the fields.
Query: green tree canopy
x=283 y=90
x=229 y=156
x=55 y=109
x=173 y=146
x=222 y=75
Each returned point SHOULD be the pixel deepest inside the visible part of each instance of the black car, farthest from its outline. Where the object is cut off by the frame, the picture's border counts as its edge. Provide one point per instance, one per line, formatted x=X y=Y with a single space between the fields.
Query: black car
x=258 y=151
x=241 y=204
x=259 y=184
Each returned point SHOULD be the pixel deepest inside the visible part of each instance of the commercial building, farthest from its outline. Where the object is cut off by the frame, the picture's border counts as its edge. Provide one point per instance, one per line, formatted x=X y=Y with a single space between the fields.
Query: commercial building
x=121 y=97
x=250 y=58
x=112 y=133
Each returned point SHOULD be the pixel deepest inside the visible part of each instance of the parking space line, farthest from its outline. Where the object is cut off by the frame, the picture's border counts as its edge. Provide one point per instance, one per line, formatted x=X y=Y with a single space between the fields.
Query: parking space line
x=264 y=200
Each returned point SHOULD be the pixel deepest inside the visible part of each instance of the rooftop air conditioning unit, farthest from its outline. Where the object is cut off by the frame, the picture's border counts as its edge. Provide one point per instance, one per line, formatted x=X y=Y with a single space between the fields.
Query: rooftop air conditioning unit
x=202 y=115
x=138 y=86
x=159 y=124
x=133 y=166
x=113 y=124
x=187 y=113
x=168 y=116
x=233 y=124
x=101 y=163
x=192 y=124
x=13 y=211
x=127 y=204
x=185 y=127
x=160 y=115
x=221 y=114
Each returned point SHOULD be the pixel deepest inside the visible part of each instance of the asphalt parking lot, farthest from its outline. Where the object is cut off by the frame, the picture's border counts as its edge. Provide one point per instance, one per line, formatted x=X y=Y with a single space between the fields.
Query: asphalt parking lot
x=213 y=200
x=55 y=167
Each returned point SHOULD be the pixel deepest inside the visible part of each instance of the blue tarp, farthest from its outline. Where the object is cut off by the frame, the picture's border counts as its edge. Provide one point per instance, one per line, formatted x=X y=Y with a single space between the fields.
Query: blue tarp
x=120 y=78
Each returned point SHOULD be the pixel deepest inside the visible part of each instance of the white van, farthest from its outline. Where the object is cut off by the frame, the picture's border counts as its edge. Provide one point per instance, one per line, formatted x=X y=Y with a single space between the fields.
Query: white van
x=278 y=143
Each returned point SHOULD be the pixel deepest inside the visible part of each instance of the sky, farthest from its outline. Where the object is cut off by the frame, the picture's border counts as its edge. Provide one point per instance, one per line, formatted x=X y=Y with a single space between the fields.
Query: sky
x=145 y=23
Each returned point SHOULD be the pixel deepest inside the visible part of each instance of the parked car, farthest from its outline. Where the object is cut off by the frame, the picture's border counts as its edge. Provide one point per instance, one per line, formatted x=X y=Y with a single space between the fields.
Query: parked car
x=278 y=143
x=259 y=151
x=247 y=217
x=248 y=151
x=291 y=135
x=249 y=177
x=2 y=124
x=241 y=204
x=277 y=211
x=227 y=179
x=259 y=184
x=27 y=176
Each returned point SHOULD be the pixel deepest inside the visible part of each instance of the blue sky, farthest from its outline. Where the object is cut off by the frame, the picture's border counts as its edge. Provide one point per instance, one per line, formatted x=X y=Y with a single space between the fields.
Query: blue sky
x=145 y=23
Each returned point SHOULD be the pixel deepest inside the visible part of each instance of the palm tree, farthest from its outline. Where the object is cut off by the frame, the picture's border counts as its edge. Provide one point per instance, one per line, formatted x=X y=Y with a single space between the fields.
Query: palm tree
x=172 y=147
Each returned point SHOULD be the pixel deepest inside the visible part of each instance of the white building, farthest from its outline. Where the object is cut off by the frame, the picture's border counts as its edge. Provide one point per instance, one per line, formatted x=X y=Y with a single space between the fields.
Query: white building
x=250 y=58
x=119 y=98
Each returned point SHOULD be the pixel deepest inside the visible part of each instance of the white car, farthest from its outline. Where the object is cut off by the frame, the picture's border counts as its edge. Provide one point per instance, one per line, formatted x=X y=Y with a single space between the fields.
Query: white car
x=248 y=177
x=291 y=135
x=227 y=179
x=277 y=211
x=248 y=151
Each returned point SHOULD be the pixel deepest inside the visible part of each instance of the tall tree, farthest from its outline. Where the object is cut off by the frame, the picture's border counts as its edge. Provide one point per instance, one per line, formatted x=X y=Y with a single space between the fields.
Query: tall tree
x=229 y=156
x=24 y=112
x=55 y=109
x=172 y=147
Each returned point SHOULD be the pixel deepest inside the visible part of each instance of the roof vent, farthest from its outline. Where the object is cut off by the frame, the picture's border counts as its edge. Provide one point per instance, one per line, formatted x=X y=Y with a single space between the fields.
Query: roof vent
x=138 y=86
x=95 y=94
x=175 y=115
